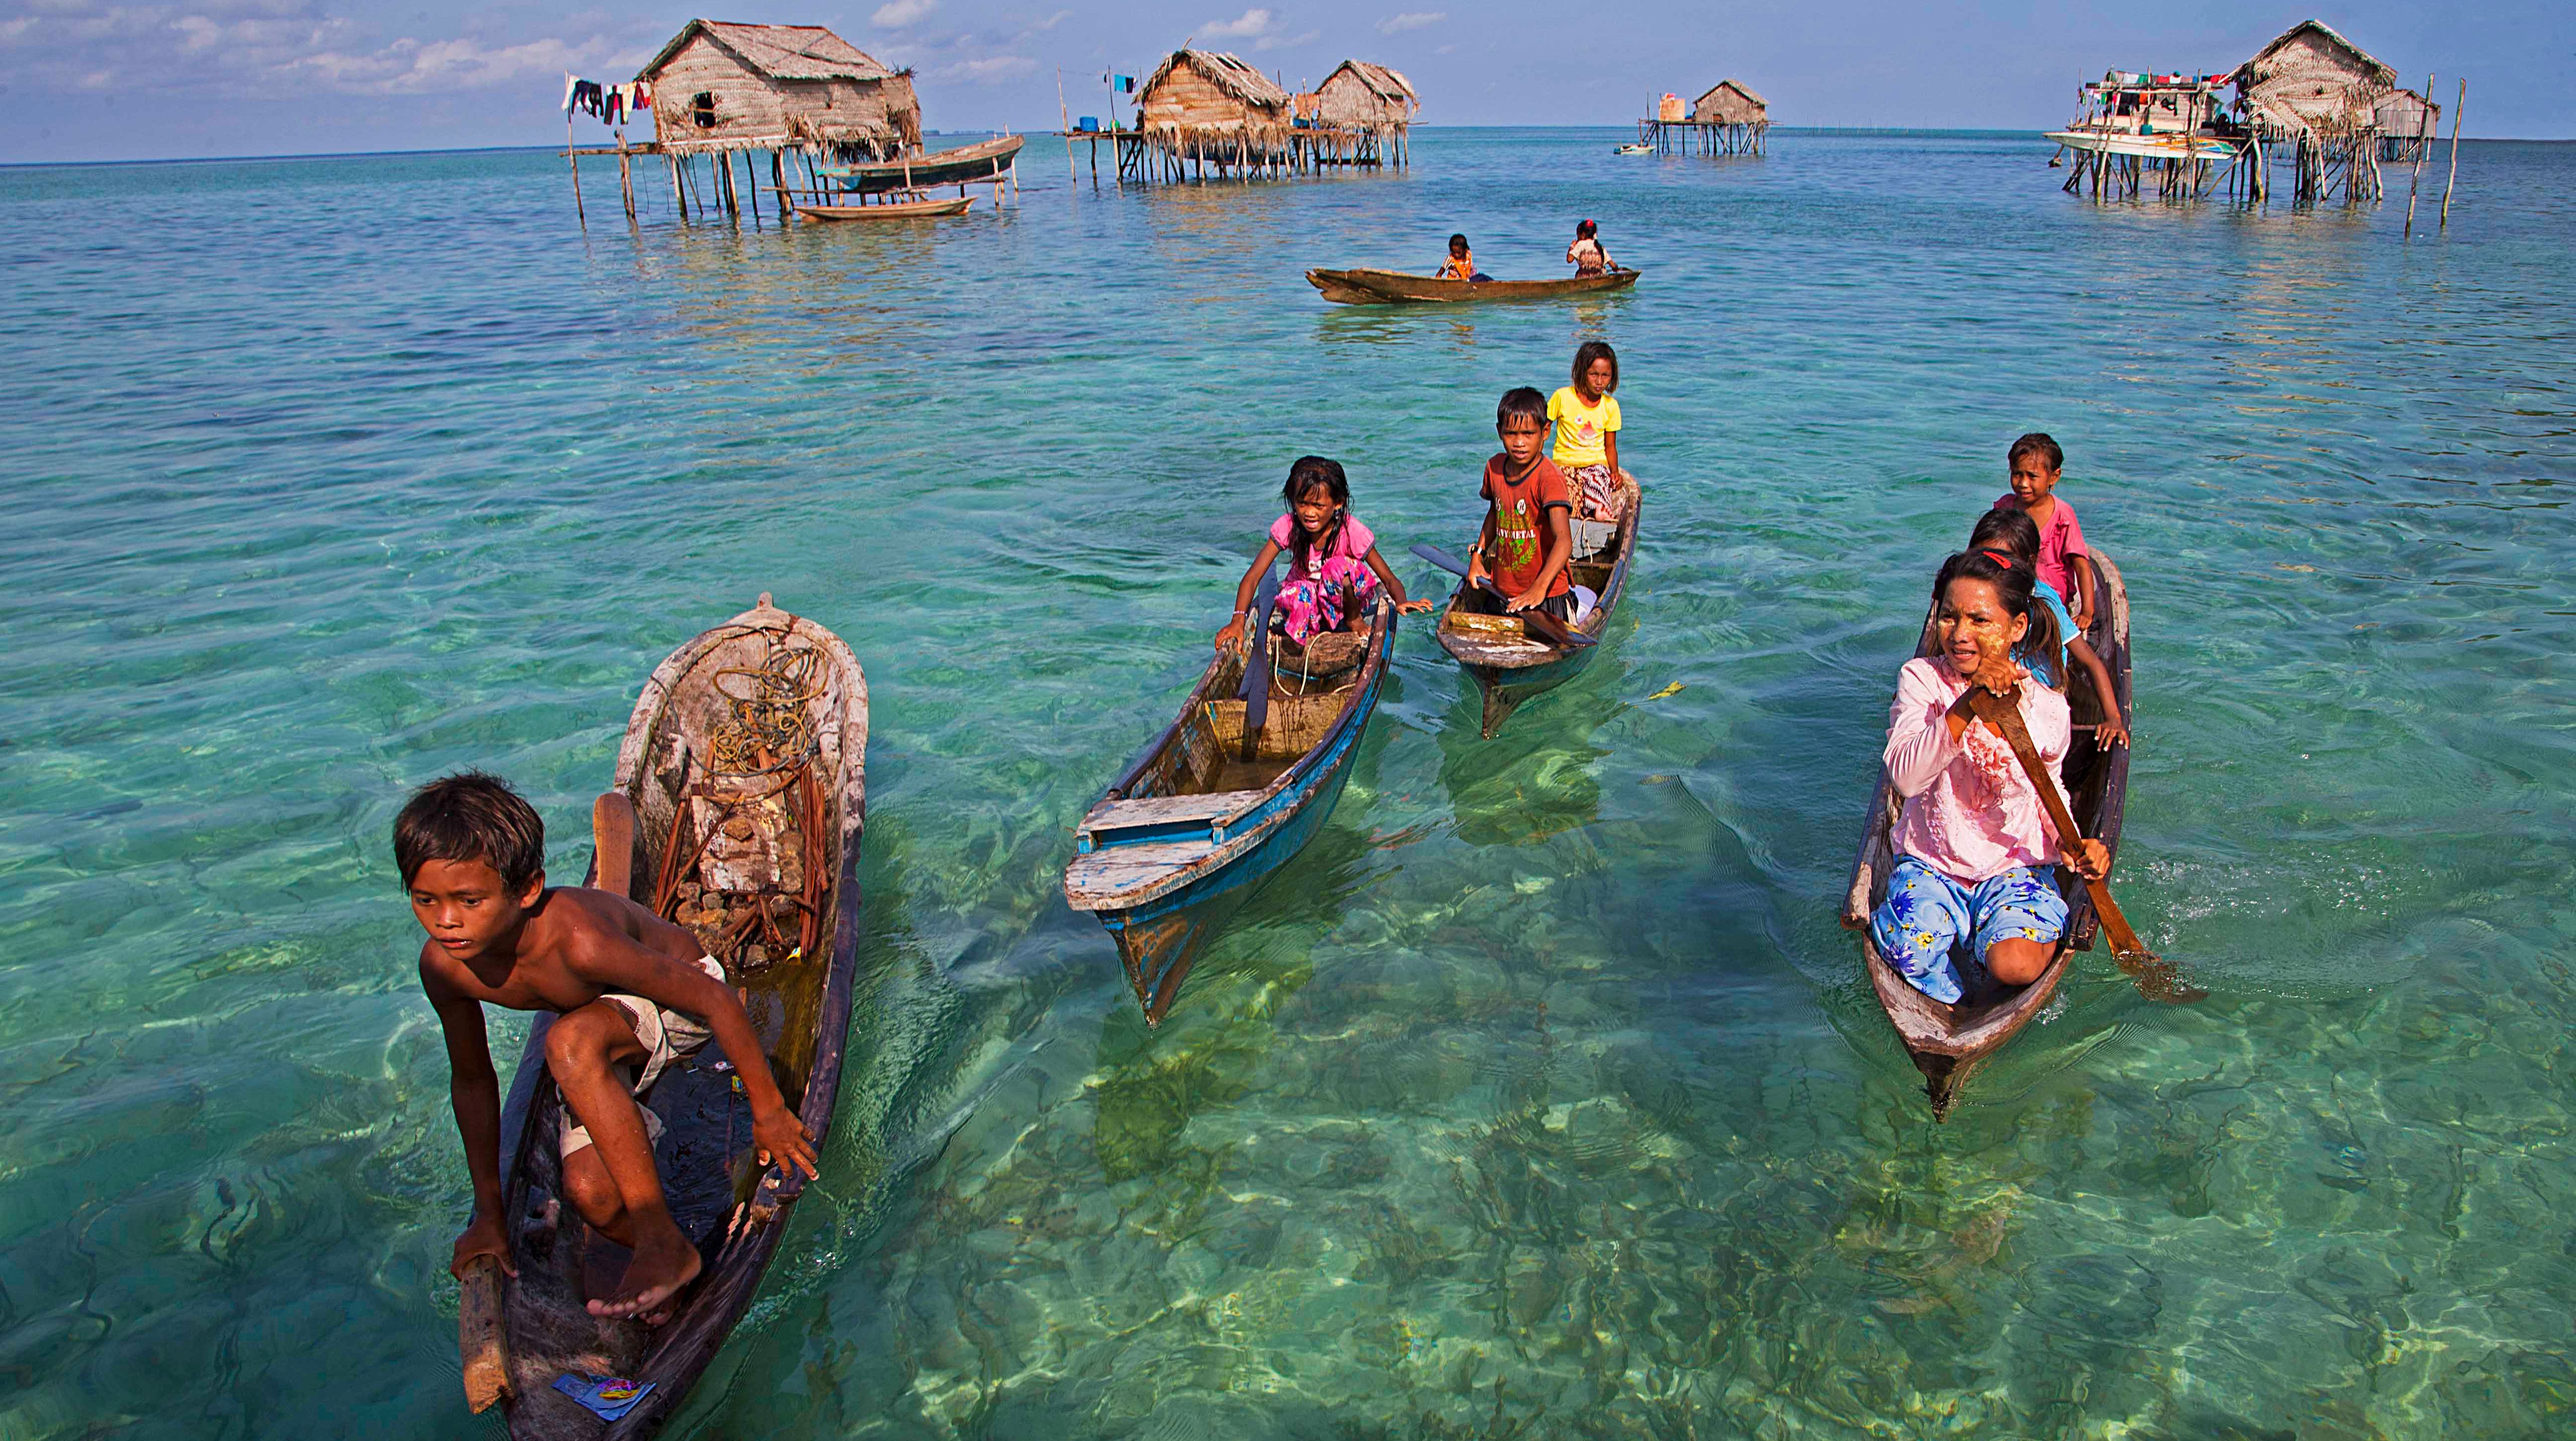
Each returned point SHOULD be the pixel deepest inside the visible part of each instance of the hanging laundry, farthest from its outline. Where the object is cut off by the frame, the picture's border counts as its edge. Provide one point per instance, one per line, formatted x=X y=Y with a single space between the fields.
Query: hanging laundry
x=612 y=105
x=643 y=94
x=570 y=84
x=585 y=97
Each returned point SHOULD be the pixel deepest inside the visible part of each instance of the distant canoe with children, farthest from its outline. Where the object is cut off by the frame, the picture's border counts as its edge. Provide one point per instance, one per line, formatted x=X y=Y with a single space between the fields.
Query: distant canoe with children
x=1225 y=796
x=1947 y=1042
x=1395 y=287
x=1507 y=662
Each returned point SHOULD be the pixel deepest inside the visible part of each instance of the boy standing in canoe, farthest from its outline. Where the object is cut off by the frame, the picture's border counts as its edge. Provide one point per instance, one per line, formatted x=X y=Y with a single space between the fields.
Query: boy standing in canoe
x=631 y=994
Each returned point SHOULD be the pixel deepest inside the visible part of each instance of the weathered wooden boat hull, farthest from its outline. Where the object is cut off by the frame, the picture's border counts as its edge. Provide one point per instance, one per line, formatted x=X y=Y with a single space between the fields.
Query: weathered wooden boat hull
x=1165 y=885
x=1159 y=942
x=1509 y=673
x=891 y=210
x=800 y=1004
x=1947 y=1043
x=1394 y=287
x=967 y=163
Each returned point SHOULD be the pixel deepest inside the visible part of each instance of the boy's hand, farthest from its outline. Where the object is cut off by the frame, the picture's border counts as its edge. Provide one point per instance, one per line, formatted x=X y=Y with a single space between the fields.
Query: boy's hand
x=483 y=1238
x=1476 y=572
x=1525 y=599
x=780 y=1138
x=2090 y=859
x=1413 y=607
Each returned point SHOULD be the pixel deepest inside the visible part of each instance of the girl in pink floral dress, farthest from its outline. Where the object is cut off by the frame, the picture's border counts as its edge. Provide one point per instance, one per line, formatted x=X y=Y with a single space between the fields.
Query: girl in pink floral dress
x=1333 y=564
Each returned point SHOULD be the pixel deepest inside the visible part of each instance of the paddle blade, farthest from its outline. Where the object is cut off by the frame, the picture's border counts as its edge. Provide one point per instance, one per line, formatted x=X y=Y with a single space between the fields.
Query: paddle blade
x=1442 y=559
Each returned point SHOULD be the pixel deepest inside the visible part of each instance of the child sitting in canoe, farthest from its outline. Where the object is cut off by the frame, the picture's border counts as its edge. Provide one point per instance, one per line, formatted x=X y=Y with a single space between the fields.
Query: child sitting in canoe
x=1587 y=431
x=2054 y=648
x=1333 y=564
x=2035 y=461
x=1461 y=264
x=1525 y=540
x=631 y=992
x=1976 y=856
x=1585 y=254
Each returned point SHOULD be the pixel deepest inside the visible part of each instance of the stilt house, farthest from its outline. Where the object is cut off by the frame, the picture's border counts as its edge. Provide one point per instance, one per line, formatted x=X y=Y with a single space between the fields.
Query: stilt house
x=1206 y=107
x=720 y=87
x=1728 y=102
x=2311 y=99
x=2312 y=81
x=2407 y=124
x=1363 y=113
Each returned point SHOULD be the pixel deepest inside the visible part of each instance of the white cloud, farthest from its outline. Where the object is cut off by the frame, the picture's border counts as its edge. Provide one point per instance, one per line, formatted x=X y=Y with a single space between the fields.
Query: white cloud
x=900 y=14
x=1274 y=42
x=1052 y=21
x=1252 y=22
x=990 y=70
x=1410 y=20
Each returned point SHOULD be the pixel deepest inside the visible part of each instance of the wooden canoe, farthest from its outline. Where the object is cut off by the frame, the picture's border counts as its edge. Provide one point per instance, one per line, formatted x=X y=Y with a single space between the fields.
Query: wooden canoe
x=1176 y=846
x=1509 y=664
x=1947 y=1042
x=1394 y=287
x=967 y=163
x=745 y=766
x=887 y=210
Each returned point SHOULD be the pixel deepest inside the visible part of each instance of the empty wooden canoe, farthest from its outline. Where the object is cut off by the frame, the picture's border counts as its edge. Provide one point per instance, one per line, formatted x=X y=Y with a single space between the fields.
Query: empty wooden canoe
x=888 y=210
x=1508 y=664
x=745 y=769
x=1176 y=846
x=1947 y=1042
x=966 y=164
x=1394 y=287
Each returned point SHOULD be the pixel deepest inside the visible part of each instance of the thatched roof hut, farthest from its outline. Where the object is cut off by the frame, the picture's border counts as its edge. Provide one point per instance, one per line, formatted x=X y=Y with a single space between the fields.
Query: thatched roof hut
x=1729 y=102
x=1359 y=95
x=2403 y=113
x=723 y=87
x=2312 y=81
x=1207 y=100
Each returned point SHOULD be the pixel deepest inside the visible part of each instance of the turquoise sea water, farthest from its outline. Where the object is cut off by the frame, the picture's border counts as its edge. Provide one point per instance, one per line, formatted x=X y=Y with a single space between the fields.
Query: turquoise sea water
x=1542 y=1096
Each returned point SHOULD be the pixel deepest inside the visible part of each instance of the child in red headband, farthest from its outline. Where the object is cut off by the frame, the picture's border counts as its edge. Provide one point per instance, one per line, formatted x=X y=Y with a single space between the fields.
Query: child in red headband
x=1585 y=254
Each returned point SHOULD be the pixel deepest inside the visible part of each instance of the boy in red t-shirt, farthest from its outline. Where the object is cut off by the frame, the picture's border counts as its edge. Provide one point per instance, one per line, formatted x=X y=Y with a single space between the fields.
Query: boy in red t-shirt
x=1524 y=542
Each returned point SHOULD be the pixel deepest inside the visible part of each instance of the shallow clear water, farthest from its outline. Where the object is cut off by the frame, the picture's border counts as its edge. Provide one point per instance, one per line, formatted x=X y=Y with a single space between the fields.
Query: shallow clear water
x=1542 y=1095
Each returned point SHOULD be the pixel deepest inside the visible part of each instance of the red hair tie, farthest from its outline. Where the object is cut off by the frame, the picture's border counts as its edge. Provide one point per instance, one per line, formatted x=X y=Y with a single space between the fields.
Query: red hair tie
x=1999 y=558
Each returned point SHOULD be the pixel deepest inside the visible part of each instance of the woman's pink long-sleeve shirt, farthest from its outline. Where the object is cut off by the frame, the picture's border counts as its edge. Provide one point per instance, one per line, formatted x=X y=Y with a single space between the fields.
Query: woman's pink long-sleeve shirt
x=1956 y=820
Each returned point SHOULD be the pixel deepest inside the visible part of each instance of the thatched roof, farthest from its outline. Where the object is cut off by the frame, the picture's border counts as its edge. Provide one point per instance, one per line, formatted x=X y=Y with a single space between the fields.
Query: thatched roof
x=2312 y=78
x=1227 y=72
x=1739 y=87
x=778 y=52
x=1386 y=84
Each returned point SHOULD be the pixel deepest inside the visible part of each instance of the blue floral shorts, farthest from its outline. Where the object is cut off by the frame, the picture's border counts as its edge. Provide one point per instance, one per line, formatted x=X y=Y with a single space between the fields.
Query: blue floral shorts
x=1927 y=915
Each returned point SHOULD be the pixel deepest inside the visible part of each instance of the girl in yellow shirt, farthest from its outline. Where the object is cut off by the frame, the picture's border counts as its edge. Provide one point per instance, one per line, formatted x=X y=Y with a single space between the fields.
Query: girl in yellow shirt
x=1586 y=418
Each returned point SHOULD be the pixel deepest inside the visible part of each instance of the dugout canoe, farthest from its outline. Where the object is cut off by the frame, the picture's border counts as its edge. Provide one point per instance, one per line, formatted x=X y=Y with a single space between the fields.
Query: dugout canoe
x=1394 y=287
x=1948 y=1042
x=1510 y=665
x=742 y=787
x=887 y=210
x=1173 y=849
x=966 y=164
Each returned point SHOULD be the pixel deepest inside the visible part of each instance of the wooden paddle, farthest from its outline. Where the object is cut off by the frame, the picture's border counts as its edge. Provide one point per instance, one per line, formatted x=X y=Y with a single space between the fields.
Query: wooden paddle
x=1548 y=627
x=481 y=1339
x=1256 y=664
x=612 y=843
x=2156 y=978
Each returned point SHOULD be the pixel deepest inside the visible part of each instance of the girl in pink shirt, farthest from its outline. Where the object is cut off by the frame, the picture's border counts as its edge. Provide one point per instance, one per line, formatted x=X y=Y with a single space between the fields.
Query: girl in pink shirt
x=2035 y=462
x=1976 y=855
x=1333 y=564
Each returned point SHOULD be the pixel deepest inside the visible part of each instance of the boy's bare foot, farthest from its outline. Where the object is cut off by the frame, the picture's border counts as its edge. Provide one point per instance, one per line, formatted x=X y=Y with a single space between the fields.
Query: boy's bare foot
x=662 y=1265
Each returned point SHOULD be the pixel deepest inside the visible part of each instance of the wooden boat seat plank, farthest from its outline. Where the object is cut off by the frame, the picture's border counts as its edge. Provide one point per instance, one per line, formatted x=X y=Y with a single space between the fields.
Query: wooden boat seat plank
x=1104 y=880
x=1164 y=810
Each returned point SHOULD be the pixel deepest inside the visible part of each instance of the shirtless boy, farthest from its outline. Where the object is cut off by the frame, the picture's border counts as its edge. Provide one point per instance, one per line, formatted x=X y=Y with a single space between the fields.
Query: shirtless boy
x=631 y=995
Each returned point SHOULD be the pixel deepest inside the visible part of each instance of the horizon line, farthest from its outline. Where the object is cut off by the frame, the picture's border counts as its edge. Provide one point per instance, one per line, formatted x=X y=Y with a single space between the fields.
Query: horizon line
x=1927 y=131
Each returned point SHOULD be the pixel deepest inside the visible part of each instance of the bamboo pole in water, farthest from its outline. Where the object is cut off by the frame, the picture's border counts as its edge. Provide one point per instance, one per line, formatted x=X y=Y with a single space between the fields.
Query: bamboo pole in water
x=2462 y=104
x=2416 y=180
x=575 y=160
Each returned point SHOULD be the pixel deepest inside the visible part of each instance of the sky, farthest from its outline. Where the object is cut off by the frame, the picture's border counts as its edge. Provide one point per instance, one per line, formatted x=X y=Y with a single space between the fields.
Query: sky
x=89 y=80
